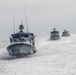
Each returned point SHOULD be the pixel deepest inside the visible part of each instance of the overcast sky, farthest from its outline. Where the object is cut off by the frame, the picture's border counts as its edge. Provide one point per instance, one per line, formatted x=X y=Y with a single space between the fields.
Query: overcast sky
x=42 y=16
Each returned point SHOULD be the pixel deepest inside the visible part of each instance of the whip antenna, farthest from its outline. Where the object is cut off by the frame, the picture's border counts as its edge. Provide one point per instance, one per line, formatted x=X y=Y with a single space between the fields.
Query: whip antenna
x=13 y=23
x=25 y=17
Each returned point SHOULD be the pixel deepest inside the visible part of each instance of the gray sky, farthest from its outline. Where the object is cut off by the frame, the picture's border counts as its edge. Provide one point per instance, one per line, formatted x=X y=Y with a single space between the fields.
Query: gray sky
x=42 y=16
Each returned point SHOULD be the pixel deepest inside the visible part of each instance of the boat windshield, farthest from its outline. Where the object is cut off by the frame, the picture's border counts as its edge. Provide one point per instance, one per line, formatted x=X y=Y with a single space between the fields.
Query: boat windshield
x=54 y=34
x=22 y=37
x=19 y=37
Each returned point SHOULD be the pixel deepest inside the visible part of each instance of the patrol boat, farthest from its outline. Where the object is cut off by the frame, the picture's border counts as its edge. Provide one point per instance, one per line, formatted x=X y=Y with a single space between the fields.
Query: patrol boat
x=65 y=33
x=54 y=35
x=22 y=43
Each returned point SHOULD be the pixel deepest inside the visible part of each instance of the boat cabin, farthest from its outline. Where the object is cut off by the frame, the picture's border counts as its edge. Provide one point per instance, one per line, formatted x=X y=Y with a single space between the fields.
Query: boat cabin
x=22 y=36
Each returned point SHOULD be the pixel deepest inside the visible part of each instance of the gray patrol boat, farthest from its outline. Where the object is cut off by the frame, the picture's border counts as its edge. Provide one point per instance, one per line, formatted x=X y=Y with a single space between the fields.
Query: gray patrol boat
x=22 y=43
x=54 y=35
x=65 y=33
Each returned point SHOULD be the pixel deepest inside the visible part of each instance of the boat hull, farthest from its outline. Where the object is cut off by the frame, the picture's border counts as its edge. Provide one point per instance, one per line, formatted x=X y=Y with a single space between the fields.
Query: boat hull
x=21 y=49
x=57 y=37
x=65 y=35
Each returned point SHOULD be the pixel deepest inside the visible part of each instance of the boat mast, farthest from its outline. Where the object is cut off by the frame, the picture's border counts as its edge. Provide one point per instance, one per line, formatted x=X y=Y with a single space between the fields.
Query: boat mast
x=25 y=17
x=13 y=23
